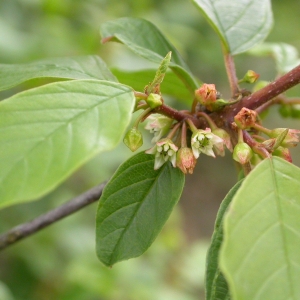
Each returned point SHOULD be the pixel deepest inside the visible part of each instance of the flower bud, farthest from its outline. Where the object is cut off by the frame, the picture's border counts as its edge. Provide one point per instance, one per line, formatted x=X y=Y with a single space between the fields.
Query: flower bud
x=291 y=138
x=245 y=118
x=283 y=153
x=225 y=136
x=242 y=153
x=133 y=139
x=154 y=100
x=185 y=160
x=250 y=77
x=206 y=95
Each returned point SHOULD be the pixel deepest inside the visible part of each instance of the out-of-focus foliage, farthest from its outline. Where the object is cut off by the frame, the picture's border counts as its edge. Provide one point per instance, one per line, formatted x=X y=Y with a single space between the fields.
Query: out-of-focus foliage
x=60 y=262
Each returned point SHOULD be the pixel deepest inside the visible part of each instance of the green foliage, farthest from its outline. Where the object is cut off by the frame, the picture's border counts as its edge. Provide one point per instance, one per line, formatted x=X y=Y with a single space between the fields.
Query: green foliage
x=240 y=24
x=216 y=285
x=48 y=132
x=144 y=39
x=80 y=67
x=260 y=254
x=135 y=205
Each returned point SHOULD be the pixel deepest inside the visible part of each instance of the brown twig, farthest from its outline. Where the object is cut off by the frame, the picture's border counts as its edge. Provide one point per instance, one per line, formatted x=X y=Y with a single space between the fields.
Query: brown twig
x=26 y=229
x=231 y=74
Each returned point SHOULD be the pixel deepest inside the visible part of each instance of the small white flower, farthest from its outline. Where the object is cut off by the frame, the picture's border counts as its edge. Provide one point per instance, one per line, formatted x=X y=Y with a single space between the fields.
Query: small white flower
x=204 y=141
x=163 y=150
x=159 y=125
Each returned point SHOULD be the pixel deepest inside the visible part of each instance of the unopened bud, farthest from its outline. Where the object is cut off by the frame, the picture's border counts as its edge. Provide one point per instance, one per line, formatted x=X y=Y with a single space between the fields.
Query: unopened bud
x=185 y=160
x=206 y=95
x=225 y=136
x=133 y=139
x=242 y=153
x=154 y=100
x=250 y=77
x=245 y=118
x=283 y=153
x=291 y=137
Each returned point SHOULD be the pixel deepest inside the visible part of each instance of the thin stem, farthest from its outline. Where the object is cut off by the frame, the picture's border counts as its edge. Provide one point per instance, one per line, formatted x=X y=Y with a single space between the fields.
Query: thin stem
x=140 y=95
x=141 y=117
x=231 y=73
x=208 y=119
x=183 y=135
x=173 y=131
x=26 y=229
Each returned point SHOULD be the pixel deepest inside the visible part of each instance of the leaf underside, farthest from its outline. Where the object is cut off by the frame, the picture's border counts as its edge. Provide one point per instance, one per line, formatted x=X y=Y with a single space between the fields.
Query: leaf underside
x=48 y=132
x=260 y=255
x=240 y=24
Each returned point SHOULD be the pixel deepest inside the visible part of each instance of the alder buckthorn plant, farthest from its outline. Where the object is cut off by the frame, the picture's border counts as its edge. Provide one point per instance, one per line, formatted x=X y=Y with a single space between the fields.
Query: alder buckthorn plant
x=47 y=132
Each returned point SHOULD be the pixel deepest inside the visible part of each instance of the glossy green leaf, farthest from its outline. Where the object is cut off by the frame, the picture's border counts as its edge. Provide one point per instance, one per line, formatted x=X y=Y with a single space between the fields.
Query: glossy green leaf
x=240 y=24
x=260 y=253
x=285 y=55
x=48 y=132
x=171 y=85
x=134 y=206
x=80 y=67
x=144 y=39
x=216 y=285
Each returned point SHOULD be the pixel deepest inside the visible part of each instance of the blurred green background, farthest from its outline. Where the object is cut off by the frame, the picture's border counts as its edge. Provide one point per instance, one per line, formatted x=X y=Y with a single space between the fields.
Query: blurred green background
x=60 y=262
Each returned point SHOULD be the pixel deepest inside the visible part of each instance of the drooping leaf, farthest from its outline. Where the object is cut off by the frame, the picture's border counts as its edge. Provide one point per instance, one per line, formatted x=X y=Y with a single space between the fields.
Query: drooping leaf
x=134 y=206
x=80 y=67
x=48 y=132
x=285 y=55
x=216 y=285
x=170 y=86
x=260 y=253
x=144 y=39
x=240 y=24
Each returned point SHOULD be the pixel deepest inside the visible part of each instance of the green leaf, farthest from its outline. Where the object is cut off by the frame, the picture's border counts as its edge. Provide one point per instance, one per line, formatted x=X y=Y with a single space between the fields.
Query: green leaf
x=216 y=285
x=159 y=75
x=285 y=55
x=260 y=254
x=48 y=132
x=170 y=86
x=240 y=24
x=144 y=39
x=80 y=67
x=134 y=206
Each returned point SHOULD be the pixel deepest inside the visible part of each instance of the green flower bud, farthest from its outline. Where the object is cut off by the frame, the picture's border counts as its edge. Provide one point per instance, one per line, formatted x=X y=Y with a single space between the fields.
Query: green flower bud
x=250 y=77
x=242 y=153
x=185 y=160
x=154 y=100
x=133 y=139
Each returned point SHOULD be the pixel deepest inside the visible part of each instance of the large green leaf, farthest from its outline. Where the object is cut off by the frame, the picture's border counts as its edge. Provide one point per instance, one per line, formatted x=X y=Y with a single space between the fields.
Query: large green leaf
x=216 y=285
x=143 y=38
x=170 y=86
x=134 y=207
x=80 y=67
x=48 y=132
x=241 y=24
x=260 y=255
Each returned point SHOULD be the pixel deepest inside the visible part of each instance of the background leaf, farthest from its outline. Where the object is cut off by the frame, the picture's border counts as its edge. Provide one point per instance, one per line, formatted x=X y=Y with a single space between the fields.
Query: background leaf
x=285 y=55
x=240 y=24
x=134 y=206
x=48 y=132
x=80 y=67
x=216 y=285
x=260 y=254
x=171 y=85
x=144 y=39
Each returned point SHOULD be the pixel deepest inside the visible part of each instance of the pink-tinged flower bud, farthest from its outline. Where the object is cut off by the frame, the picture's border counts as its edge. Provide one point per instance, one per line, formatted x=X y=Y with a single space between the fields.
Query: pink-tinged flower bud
x=159 y=125
x=283 y=153
x=250 y=77
x=291 y=139
x=133 y=139
x=242 y=153
x=154 y=100
x=245 y=118
x=206 y=94
x=225 y=136
x=185 y=160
